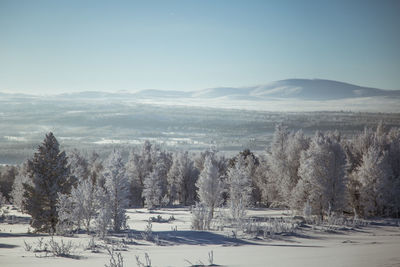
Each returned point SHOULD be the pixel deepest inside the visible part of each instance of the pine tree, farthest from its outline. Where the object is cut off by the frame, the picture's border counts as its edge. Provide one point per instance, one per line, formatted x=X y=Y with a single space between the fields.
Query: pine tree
x=117 y=187
x=49 y=175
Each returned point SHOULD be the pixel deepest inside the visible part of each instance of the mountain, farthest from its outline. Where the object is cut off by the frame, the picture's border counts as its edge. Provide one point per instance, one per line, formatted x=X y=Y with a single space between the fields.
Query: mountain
x=302 y=89
x=291 y=89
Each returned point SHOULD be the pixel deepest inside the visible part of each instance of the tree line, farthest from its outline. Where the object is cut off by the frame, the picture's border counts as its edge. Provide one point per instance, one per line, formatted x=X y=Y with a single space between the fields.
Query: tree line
x=323 y=174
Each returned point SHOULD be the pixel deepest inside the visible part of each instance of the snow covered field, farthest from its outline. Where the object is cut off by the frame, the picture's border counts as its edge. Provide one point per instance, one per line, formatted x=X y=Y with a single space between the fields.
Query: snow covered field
x=174 y=243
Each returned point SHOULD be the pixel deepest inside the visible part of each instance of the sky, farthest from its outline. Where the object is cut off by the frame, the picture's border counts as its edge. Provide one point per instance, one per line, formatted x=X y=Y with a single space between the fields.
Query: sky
x=64 y=46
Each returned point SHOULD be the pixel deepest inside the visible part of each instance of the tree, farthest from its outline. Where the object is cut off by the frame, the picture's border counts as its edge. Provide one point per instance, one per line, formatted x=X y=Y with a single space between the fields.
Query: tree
x=18 y=191
x=209 y=185
x=181 y=179
x=7 y=178
x=117 y=187
x=81 y=206
x=49 y=175
x=297 y=143
x=152 y=189
x=138 y=168
x=374 y=175
x=322 y=172
x=95 y=167
x=251 y=164
x=278 y=165
x=239 y=189
x=79 y=165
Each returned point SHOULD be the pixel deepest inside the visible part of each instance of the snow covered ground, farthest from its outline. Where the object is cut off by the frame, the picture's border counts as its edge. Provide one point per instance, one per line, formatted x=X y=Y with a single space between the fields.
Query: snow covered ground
x=375 y=244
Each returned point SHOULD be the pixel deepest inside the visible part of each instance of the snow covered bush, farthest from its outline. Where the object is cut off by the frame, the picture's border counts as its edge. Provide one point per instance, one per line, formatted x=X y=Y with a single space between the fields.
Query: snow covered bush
x=116 y=259
x=201 y=217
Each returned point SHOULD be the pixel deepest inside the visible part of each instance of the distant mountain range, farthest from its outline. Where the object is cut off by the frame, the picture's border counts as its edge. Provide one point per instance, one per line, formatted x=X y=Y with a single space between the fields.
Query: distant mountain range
x=291 y=89
x=301 y=89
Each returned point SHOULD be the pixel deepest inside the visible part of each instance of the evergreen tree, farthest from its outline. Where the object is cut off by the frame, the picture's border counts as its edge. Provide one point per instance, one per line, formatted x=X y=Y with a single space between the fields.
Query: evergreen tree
x=49 y=175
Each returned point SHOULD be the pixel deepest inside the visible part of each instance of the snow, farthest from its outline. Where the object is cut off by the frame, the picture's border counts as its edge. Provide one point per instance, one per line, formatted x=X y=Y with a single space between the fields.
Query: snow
x=374 y=245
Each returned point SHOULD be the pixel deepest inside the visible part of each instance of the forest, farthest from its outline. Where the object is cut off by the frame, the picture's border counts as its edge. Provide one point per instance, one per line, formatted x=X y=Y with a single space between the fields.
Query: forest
x=322 y=174
x=325 y=180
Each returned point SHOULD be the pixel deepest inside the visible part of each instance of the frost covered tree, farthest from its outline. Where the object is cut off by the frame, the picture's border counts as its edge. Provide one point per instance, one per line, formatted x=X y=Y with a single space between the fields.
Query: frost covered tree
x=117 y=187
x=181 y=179
x=297 y=143
x=152 y=191
x=7 y=177
x=95 y=168
x=175 y=179
x=251 y=164
x=282 y=173
x=3 y=200
x=394 y=161
x=138 y=167
x=18 y=191
x=48 y=175
x=374 y=175
x=103 y=218
x=209 y=185
x=239 y=189
x=322 y=172
x=162 y=162
x=278 y=165
x=79 y=165
x=81 y=206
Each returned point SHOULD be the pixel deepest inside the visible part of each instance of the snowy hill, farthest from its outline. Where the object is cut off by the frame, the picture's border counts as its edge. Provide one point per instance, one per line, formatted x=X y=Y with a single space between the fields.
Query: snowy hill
x=293 y=89
x=284 y=95
x=303 y=89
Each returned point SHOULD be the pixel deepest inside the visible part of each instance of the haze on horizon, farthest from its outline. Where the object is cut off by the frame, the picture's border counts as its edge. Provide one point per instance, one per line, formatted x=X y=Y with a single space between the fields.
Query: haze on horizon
x=69 y=46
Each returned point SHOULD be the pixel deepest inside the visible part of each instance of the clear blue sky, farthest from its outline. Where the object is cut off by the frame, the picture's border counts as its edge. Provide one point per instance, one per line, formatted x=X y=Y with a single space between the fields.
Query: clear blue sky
x=62 y=46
